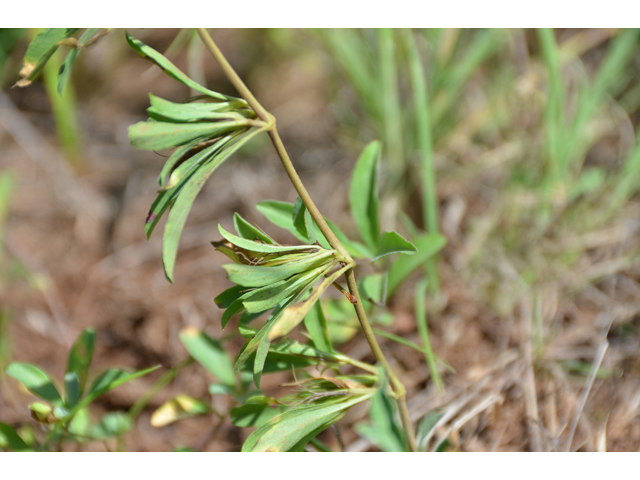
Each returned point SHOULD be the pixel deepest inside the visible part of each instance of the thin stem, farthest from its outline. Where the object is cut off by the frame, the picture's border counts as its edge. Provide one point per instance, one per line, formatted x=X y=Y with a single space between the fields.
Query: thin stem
x=396 y=384
x=162 y=382
x=245 y=93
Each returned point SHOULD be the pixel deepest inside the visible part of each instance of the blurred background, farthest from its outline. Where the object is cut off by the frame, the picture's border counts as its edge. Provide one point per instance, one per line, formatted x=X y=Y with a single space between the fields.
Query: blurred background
x=529 y=167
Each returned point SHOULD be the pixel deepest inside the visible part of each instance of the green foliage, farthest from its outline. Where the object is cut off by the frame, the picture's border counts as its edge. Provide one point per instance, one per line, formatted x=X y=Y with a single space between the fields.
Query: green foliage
x=384 y=430
x=40 y=50
x=209 y=353
x=69 y=416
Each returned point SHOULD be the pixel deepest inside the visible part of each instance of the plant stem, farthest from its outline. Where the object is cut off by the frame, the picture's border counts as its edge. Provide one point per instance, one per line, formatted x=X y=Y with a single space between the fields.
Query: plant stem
x=277 y=143
x=245 y=93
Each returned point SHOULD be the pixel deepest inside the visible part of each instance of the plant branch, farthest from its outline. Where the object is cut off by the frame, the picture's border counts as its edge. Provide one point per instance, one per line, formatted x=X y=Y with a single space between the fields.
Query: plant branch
x=398 y=387
x=277 y=143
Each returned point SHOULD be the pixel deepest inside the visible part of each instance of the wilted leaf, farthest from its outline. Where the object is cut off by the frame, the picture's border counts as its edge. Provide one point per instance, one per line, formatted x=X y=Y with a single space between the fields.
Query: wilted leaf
x=208 y=353
x=182 y=406
x=36 y=381
x=294 y=314
x=40 y=50
x=363 y=194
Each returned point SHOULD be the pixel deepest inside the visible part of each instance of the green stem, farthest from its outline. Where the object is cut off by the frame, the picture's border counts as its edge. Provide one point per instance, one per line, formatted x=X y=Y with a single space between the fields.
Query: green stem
x=277 y=143
x=245 y=93
x=162 y=382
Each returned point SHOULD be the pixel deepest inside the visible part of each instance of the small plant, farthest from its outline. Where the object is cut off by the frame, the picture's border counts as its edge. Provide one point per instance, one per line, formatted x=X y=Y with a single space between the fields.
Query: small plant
x=281 y=284
x=66 y=417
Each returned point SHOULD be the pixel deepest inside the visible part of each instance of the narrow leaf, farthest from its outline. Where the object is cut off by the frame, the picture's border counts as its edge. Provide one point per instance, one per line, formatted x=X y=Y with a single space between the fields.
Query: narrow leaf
x=81 y=355
x=65 y=68
x=208 y=353
x=36 y=381
x=170 y=69
x=160 y=135
x=180 y=210
x=316 y=324
x=40 y=50
x=288 y=430
x=363 y=194
x=72 y=389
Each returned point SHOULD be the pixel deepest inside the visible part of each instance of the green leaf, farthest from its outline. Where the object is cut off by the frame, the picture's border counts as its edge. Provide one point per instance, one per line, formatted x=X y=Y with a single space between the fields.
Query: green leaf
x=170 y=69
x=160 y=135
x=257 y=413
x=175 y=158
x=355 y=249
x=182 y=406
x=265 y=298
x=363 y=194
x=230 y=295
x=295 y=314
x=277 y=362
x=80 y=357
x=36 y=381
x=248 y=231
x=258 y=276
x=425 y=425
x=72 y=389
x=180 y=210
x=179 y=177
x=80 y=423
x=316 y=324
x=166 y=111
x=373 y=288
x=428 y=245
x=10 y=440
x=109 y=380
x=383 y=431
x=254 y=246
x=112 y=424
x=293 y=428
x=393 y=242
x=40 y=50
x=303 y=222
x=208 y=353
x=65 y=68
x=281 y=214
